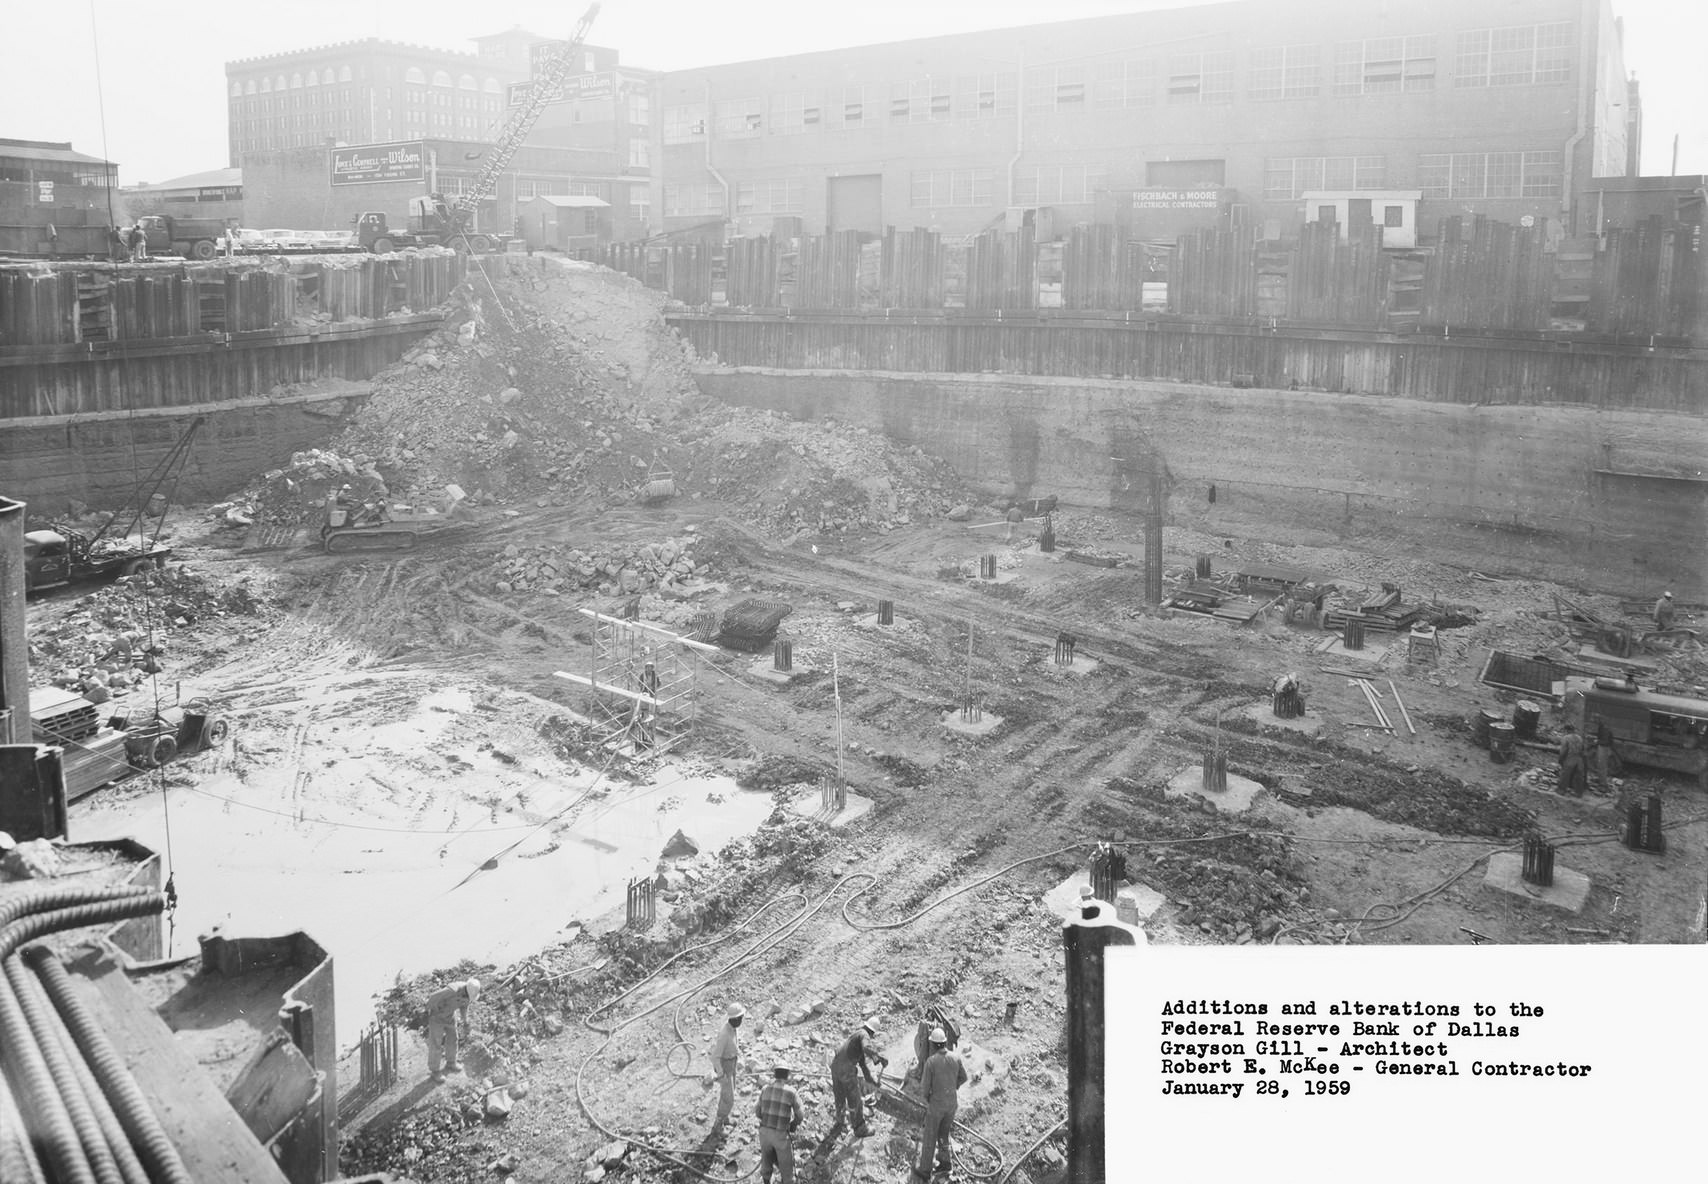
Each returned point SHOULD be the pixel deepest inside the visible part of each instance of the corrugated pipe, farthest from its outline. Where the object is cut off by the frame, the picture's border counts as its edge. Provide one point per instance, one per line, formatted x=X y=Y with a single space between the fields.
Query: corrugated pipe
x=39 y=1015
x=46 y=1115
x=59 y=897
x=140 y=1124
x=77 y=916
x=130 y=1167
x=17 y=1161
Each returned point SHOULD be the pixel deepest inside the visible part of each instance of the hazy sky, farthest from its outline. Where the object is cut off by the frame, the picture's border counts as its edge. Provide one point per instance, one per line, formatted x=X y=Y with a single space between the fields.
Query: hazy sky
x=162 y=65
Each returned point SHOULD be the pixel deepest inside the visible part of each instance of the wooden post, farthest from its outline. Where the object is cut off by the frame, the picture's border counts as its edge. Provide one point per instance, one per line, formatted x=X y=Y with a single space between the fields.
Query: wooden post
x=1085 y=940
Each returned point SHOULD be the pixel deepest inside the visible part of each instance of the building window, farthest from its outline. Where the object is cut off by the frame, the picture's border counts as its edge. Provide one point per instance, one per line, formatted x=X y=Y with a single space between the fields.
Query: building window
x=344 y=73
x=236 y=90
x=1393 y=216
x=266 y=86
x=1490 y=174
x=640 y=110
x=640 y=154
x=1516 y=56
x=740 y=118
x=985 y=96
x=1286 y=177
x=1201 y=78
x=640 y=202
x=929 y=100
x=313 y=78
x=467 y=82
x=296 y=81
x=1285 y=72
x=789 y=113
x=684 y=124
x=1125 y=84
x=1063 y=184
x=853 y=107
x=416 y=75
x=899 y=101
x=684 y=201
x=1061 y=88
x=768 y=197
x=441 y=78
x=953 y=187
x=1385 y=65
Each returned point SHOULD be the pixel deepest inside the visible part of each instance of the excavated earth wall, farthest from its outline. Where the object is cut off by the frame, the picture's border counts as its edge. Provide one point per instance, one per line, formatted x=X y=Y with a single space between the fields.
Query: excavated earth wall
x=1613 y=500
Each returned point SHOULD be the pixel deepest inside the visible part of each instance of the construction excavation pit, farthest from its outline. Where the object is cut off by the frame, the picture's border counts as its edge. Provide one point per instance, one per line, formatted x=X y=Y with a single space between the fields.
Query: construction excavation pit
x=636 y=684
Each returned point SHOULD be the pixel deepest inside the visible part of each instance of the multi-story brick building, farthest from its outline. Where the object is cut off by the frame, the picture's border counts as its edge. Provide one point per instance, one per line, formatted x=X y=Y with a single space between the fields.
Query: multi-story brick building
x=1235 y=110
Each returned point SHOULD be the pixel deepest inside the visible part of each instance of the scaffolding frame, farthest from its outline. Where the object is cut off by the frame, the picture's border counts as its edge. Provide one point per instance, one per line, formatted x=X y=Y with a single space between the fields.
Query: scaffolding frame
x=643 y=685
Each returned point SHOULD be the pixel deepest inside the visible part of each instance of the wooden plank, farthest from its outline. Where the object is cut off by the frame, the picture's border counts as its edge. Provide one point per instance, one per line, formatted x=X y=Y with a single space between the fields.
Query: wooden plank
x=211 y=1139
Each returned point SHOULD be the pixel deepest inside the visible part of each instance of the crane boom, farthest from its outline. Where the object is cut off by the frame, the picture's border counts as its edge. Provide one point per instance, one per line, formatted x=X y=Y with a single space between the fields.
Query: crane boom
x=522 y=119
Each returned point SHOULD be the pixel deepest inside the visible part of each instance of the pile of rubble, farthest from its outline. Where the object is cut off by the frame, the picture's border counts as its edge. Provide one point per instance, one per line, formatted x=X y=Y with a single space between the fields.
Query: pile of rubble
x=295 y=495
x=118 y=636
x=651 y=566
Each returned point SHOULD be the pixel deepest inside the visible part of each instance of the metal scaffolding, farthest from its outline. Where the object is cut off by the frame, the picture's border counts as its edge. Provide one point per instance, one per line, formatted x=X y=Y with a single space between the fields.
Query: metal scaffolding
x=642 y=684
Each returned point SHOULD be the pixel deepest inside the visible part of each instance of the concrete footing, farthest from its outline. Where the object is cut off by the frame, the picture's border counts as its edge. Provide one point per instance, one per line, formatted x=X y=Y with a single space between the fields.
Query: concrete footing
x=1569 y=890
x=1140 y=904
x=985 y=726
x=1262 y=712
x=1373 y=650
x=1236 y=799
x=809 y=804
x=765 y=668
x=870 y=621
x=1081 y=664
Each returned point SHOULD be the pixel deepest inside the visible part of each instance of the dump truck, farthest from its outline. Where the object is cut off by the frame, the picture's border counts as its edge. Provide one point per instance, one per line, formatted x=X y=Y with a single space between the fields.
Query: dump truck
x=1638 y=727
x=101 y=751
x=432 y=223
x=193 y=238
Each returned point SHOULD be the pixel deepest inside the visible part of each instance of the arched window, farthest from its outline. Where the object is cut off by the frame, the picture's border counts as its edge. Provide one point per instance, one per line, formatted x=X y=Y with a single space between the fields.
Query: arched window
x=467 y=82
x=313 y=78
x=279 y=83
x=328 y=79
x=416 y=75
x=296 y=81
x=236 y=89
x=249 y=87
x=266 y=86
x=440 y=78
x=493 y=88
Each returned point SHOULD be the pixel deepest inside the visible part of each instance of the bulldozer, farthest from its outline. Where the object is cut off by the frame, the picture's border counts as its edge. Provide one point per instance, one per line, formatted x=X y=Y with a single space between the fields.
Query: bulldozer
x=374 y=524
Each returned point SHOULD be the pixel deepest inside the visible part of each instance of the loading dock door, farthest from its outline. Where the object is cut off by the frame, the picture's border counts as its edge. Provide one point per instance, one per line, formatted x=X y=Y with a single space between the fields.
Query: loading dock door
x=855 y=203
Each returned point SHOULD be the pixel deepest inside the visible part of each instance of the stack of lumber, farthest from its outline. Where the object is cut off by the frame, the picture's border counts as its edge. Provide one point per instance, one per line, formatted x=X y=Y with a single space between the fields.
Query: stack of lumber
x=1379 y=611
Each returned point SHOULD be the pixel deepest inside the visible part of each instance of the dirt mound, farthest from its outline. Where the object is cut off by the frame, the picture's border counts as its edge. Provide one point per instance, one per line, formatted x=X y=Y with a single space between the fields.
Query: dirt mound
x=570 y=385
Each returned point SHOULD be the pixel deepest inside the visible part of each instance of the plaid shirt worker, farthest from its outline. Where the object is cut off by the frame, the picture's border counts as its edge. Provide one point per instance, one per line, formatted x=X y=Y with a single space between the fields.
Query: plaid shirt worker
x=779 y=1106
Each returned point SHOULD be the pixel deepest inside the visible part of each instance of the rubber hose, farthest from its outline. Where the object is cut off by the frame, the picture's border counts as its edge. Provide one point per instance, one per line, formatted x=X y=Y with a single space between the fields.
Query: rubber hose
x=118 y=908
x=52 y=1127
x=130 y=1167
x=17 y=1159
x=155 y=1150
x=39 y=1015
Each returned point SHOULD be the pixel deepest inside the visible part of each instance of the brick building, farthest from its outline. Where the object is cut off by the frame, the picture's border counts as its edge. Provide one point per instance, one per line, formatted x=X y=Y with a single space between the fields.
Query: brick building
x=1162 y=118
x=371 y=91
x=54 y=198
x=217 y=193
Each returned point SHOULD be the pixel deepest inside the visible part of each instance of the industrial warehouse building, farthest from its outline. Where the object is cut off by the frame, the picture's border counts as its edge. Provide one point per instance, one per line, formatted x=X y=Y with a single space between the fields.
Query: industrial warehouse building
x=1163 y=120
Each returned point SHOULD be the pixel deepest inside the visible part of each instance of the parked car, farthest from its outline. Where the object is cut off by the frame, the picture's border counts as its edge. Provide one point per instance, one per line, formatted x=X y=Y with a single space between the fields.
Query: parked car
x=290 y=240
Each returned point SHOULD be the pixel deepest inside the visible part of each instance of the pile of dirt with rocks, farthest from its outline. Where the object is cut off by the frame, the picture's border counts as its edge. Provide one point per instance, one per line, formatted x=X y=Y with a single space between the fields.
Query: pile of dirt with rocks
x=664 y=566
x=570 y=386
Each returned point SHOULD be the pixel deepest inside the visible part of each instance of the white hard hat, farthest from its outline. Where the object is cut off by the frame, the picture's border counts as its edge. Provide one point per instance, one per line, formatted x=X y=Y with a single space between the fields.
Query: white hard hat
x=871 y=1025
x=473 y=988
x=938 y=1036
x=781 y=1066
x=1086 y=892
x=736 y=1011
x=1668 y=595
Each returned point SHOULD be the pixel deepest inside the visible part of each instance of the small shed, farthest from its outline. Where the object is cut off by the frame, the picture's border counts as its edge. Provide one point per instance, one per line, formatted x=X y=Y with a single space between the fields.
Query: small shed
x=1394 y=210
x=569 y=223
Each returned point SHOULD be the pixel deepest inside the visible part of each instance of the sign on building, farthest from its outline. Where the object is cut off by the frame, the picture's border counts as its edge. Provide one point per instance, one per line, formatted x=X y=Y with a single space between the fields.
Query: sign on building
x=368 y=163
x=573 y=90
x=1177 y=199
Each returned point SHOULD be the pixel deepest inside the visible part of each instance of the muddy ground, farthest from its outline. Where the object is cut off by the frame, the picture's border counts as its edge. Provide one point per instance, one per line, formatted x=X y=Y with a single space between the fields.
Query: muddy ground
x=398 y=725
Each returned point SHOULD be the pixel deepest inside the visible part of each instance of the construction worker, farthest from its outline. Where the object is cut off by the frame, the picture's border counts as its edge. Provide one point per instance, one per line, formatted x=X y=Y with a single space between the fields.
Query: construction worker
x=940 y=1082
x=1014 y=518
x=779 y=1112
x=443 y=1007
x=1664 y=611
x=850 y=1062
x=1574 y=765
x=726 y=1059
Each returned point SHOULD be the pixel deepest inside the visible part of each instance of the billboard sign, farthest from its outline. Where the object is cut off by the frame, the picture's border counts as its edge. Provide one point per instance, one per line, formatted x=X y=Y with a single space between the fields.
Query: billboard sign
x=365 y=164
x=1177 y=199
x=576 y=88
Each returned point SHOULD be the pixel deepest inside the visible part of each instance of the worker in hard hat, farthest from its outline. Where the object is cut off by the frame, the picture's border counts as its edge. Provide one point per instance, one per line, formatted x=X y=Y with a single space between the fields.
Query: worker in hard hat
x=443 y=1008
x=851 y=1061
x=779 y=1111
x=726 y=1059
x=1664 y=611
x=940 y=1082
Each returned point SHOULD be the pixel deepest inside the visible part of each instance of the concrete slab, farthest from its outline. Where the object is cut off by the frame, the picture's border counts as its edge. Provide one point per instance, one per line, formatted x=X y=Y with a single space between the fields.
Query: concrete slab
x=870 y=621
x=1063 y=899
x=1506 y=874
x=952 y=721
x=1262 y=713
x=763 y=668
x=1236 y=799
x=1081 y=664
x=808 y=804
x=1373 y=650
